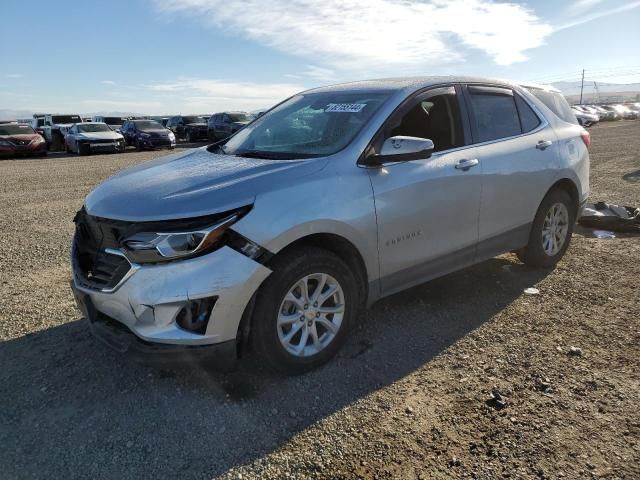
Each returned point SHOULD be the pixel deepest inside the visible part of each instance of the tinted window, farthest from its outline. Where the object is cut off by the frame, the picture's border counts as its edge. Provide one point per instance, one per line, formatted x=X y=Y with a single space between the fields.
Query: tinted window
x=495 y=114
x=436 y=117
x=555 y=102
x=528 y=119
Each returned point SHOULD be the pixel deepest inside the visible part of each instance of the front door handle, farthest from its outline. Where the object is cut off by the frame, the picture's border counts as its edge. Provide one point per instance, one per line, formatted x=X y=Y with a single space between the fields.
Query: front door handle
x=465 y=165
x=543 y=144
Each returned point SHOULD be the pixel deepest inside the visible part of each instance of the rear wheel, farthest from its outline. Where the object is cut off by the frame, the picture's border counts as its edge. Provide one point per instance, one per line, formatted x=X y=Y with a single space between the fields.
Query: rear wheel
x=304 y=310
x=551 y=230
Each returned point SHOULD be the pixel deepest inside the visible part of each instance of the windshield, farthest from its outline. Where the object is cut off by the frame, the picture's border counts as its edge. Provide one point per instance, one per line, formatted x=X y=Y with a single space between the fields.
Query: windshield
x=188 y=120
x=113 y=120
x=13 y=129
x=149 y=125
x=239 y=117
x=93 y=127
x=311 y=125
x=66 y=119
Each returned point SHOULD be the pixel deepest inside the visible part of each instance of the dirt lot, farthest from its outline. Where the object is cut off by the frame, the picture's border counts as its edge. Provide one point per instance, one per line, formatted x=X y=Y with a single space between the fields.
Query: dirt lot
x=409 y=396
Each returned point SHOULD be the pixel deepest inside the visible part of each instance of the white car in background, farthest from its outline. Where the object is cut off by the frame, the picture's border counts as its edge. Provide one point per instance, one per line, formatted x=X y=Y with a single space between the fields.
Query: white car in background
x=90 y=137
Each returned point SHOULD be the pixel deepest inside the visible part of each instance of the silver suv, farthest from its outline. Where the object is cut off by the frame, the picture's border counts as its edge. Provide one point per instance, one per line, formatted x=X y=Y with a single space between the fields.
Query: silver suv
x=331 y=200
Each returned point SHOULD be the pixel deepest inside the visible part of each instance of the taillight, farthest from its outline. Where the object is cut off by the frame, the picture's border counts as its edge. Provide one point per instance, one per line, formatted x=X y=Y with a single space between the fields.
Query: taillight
x=586 y=138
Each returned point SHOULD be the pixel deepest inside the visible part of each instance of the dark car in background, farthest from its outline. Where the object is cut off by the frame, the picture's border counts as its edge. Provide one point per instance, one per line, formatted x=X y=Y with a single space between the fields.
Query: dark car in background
x=147 y=134
x=20 y=140
x=222 y=125
x=188 y=127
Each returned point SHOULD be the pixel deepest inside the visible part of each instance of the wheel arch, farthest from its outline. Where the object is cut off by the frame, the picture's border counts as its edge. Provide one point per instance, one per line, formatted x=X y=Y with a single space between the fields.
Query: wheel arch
x=570 y=187
x=334 y=243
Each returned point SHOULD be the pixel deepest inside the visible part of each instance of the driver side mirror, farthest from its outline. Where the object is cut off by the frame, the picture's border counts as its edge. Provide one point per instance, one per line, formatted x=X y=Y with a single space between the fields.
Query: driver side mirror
x=402 y=149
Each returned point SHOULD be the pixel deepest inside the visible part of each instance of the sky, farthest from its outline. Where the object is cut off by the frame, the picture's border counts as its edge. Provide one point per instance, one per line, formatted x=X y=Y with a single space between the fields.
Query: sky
x=202 y=56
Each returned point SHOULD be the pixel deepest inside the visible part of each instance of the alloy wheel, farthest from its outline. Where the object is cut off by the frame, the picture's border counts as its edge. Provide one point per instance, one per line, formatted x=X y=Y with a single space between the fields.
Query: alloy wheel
x=310 y=314
x=555 y=229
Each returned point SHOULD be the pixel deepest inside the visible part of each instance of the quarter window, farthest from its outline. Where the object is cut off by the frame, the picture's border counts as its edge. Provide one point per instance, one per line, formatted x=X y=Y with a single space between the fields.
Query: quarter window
x=494 y=112
x=528 y=119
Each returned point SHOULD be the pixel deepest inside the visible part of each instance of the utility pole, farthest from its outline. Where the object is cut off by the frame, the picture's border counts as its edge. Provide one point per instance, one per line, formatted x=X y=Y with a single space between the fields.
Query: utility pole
x=582 y=86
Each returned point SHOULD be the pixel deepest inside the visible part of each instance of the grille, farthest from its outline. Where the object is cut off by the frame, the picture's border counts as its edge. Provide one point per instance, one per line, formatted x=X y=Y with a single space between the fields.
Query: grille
x=100 y=142
x=95 y=267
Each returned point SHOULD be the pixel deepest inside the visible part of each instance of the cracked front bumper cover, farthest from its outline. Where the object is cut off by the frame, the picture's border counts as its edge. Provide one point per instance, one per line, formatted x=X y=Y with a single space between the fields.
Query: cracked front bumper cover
x=118 y=337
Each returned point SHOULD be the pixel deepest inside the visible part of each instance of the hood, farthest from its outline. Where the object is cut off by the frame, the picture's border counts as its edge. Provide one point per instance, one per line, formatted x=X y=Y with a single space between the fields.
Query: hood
x=20 y=138
x=192 y=184
x=98 y=136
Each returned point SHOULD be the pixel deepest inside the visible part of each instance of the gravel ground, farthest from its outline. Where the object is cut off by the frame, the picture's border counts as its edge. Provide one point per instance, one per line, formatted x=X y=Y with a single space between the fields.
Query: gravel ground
x=409 y=397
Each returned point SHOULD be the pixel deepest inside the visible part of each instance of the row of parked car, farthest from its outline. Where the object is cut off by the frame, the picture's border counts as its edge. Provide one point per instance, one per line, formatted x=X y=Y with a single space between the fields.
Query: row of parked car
x=589 y=115
x=82 y=135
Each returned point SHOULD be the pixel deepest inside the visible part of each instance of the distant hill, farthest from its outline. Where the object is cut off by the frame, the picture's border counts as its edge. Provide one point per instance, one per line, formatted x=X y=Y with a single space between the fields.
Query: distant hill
x=609 y=92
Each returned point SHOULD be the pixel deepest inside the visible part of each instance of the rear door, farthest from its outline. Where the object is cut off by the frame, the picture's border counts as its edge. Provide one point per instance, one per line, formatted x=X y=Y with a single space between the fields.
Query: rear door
x=427 y=210
x=518 y=152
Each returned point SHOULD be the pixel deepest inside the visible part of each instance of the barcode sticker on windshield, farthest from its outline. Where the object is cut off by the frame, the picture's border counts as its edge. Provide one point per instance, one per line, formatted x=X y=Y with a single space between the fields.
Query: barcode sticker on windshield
x=345 y=107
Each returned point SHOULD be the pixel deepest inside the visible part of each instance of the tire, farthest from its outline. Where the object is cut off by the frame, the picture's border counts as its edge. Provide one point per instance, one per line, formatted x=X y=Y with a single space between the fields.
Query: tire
x=138 y=145
x=539 y=252
x=268 y=338
x=83 y=149
x=66 y=146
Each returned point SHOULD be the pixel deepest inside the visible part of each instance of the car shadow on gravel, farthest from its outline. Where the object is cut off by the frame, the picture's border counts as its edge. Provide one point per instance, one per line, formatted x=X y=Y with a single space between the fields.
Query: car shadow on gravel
x=73 y=408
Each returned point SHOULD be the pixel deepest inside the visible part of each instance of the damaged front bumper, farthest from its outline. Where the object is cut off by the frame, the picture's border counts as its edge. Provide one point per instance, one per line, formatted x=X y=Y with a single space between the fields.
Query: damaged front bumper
x=140 y=315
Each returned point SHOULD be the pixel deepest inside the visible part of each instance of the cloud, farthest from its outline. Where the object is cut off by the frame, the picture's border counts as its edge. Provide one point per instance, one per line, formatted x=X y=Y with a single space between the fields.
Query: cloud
x=598 y=14
x=108 y=82
x=237 y=93
x=14 y=75
x=366 y=34
x=580 y=6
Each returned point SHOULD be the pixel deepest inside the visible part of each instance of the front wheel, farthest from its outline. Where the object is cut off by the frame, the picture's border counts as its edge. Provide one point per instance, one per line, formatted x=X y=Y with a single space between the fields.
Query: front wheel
x=304 y=310
x=551 y=231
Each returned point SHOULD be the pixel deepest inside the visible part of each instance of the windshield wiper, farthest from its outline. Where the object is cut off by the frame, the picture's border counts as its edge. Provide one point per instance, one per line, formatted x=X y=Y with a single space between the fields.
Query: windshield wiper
x=263 y=154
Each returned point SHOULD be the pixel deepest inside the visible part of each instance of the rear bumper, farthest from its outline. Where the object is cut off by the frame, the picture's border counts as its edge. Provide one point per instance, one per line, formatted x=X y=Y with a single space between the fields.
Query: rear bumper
x=120 y=338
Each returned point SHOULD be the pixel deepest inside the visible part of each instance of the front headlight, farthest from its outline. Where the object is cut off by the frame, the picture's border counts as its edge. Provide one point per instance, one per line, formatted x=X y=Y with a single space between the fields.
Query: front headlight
x=171 y=136
x=149 y=247
x=5 y=143
x=145 y=135
x=37 y=140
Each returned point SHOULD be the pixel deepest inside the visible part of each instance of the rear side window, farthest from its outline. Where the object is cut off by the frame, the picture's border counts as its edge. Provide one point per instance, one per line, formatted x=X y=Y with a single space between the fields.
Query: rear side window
x=494 y=112
x=555 y=102
x=528 y=119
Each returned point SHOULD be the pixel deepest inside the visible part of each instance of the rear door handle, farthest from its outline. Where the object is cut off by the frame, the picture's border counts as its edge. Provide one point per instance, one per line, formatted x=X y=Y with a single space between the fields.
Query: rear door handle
x=465 y=165
x=544 y=144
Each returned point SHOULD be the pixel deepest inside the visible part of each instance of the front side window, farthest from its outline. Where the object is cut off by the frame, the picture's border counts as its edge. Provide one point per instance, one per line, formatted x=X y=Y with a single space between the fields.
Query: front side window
x=435 y=117
x=308 y=125
x=494 y=112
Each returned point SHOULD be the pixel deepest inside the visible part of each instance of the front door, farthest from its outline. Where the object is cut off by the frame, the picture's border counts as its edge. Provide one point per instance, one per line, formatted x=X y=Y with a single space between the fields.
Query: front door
x=427 y=210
